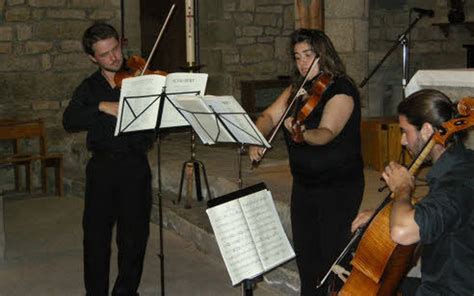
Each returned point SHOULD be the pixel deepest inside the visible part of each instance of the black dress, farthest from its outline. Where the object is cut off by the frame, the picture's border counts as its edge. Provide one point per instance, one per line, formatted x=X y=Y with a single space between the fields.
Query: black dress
x=328 y=184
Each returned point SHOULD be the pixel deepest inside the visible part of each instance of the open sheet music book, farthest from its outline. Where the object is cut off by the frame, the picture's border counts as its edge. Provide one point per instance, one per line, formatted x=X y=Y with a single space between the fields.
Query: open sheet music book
x=249 y=233
x=140 y=100
x=219 y=119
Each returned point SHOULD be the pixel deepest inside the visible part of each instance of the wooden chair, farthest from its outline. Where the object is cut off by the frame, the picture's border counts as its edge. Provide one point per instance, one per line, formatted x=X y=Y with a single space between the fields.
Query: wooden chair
x=15 y=132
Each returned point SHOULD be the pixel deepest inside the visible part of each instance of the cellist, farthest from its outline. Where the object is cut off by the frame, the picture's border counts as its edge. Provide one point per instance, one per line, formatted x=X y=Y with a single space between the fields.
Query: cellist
x=443 y=221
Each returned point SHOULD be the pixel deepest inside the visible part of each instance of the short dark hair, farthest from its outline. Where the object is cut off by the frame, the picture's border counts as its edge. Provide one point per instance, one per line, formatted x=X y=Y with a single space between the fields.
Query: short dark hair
x=96 y=32
x=428 y=105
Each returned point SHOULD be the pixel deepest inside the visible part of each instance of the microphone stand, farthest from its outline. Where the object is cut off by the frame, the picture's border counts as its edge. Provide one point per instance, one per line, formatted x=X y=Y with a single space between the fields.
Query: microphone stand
x=403 y=40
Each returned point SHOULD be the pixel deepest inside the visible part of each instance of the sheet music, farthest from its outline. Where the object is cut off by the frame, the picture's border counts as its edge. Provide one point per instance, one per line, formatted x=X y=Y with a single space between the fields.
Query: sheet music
x=204 y=122
x=250 y=235
x=140 y=111
x=179 y=84
x=268 y=234
x=140 y=98
x=235 y=242
x=238 y=123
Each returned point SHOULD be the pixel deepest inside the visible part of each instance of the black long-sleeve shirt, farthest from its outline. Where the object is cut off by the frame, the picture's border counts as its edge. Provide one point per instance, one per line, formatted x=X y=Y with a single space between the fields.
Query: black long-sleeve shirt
x=82 y=114
x=446 y=221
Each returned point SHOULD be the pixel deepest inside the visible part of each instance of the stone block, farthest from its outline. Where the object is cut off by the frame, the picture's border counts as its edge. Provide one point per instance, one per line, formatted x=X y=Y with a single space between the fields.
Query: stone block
x=396 y=18
x=32 y=47
x=212 y=59
x=288 y=18
x=46 y=62
x=87 y=3
x=5 y=47
x=251 y=31
x=341 y=32
x=71 y=61
x=15 y=2
x=47 y=3
x=427 y=47
x=356 y=65
x=245 y=41
x=270 y=9
x=247 y=5
x=282 y=48
x=269 y=31
x=38 y=14
x=210 y=9
x=45 y=105
x=345 y=9
x=361 y=31
x=265 y=19
x=230 y=5
x=18 y=14
x=101 y=14
x=231 y=59
x=71 y=45
x=273 y=2
x=64 y=29
x=244 y=18
x=265 y=39
x=23 y=32
x=2 y=5
x=2 y=230
x=19 y=64
x=65 y=14
x=221 y=32
x=6 y=33
x=256 y=53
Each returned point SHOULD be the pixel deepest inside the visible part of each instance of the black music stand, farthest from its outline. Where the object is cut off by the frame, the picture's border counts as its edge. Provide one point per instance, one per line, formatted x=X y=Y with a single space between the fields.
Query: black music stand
x=153 y=107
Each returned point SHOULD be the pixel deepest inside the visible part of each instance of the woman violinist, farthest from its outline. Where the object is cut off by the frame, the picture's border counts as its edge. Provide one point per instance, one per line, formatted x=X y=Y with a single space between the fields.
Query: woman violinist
x=327 y=167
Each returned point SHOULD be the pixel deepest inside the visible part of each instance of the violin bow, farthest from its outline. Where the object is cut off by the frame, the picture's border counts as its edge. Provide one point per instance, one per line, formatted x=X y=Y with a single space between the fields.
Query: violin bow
x=300 y=92
x=158 y=39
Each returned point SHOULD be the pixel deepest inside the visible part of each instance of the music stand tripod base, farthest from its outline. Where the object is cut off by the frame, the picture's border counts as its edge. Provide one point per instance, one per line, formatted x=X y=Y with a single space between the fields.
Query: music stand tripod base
x=193 y=167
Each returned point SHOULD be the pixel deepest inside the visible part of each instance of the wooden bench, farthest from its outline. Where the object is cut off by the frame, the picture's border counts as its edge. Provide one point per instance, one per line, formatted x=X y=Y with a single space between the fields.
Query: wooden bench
x=15 y=132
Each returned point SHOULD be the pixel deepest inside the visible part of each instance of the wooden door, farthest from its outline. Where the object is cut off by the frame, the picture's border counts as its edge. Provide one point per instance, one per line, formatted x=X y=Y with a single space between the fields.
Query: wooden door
x=170 y=55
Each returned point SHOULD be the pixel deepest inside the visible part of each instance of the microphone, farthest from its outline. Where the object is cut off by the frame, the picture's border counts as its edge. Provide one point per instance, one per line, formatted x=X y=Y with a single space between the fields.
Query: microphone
x=424 y=12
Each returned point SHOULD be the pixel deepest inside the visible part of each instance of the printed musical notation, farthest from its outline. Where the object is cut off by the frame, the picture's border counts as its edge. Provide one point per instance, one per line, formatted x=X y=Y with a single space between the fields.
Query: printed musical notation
x=250 y=235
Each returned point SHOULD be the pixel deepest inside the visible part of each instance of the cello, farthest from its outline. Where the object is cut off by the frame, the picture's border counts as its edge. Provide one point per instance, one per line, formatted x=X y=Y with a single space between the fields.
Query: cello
x=379 y=264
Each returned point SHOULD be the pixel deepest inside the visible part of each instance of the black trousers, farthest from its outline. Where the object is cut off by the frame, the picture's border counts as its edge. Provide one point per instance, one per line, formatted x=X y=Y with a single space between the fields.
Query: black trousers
x=118 y=191
x=321 y=218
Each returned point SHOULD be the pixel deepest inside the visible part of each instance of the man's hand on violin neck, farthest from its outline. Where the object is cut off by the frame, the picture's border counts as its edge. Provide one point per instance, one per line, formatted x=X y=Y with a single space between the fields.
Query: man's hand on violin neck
x=110 y=108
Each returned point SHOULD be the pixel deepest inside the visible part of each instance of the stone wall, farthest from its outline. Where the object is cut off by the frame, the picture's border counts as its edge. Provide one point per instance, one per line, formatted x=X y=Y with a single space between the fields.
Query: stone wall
x=41 y=59
x=429 y=47
x=248 y=39
x=41 y=62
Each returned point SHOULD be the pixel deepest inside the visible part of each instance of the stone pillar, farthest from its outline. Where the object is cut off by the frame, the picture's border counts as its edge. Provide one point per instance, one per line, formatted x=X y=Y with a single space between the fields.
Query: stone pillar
x=347 y=25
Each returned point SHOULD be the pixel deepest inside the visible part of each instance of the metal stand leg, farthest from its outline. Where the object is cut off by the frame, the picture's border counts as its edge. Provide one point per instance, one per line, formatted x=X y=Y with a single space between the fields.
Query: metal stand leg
x=192 y=167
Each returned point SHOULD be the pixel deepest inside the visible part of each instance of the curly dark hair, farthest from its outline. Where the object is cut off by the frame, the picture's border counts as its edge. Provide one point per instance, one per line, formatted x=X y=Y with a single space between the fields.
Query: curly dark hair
x=329 y=60
x=97 y=32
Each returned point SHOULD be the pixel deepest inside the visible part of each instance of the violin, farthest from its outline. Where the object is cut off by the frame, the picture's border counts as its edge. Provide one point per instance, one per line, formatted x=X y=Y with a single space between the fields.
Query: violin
x=135 y=67
x=300 y=91
x=379 y=264
x=319 y=85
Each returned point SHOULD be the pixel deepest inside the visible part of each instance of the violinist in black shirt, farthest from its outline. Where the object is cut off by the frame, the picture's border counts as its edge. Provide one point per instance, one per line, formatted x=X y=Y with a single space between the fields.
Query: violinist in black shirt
x=118 y=178
x=327 y=167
